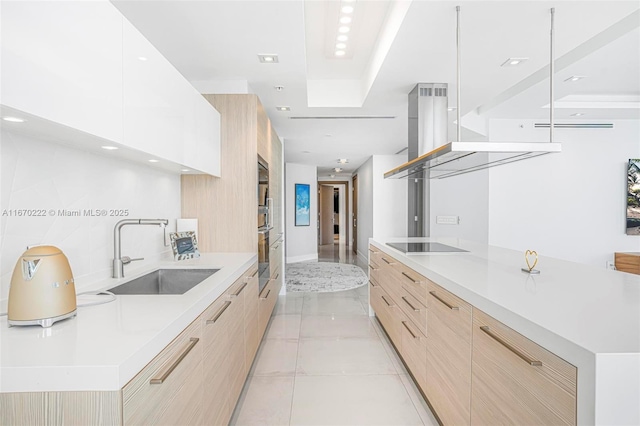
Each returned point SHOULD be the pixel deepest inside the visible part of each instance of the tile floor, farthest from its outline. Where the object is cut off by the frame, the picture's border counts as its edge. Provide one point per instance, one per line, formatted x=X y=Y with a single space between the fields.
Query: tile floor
x=324 y=361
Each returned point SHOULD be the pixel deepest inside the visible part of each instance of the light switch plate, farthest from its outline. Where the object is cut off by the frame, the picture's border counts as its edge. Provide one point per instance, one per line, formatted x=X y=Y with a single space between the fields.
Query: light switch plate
x=447 y=220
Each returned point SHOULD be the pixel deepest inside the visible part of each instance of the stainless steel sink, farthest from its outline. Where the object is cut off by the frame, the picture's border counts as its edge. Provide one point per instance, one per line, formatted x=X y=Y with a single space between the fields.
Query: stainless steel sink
x=165 y=281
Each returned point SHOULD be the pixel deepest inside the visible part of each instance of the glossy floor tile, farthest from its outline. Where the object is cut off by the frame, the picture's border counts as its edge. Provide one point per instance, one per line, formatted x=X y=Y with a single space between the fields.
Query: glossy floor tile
x=343 y=356
x=265 y=401
x=325 y=361
x=352 y=400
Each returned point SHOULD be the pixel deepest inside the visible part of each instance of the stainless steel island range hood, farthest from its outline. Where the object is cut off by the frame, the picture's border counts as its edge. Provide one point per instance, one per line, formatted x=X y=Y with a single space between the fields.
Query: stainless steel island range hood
x=431 y=158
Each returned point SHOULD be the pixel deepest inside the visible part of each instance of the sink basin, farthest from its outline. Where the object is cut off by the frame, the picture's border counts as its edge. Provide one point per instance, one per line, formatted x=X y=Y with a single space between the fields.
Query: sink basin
x=165 y=281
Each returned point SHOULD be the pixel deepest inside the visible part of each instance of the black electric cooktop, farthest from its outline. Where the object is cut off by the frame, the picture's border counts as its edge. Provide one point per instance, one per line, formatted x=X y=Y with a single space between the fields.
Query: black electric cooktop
x=416 y=248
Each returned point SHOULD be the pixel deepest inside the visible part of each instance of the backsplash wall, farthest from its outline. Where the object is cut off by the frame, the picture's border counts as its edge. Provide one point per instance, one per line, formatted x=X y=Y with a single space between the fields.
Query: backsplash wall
x=46 y=176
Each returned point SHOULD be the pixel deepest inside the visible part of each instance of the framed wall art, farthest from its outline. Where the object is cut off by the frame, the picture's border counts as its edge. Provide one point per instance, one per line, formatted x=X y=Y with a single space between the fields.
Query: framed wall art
x=303 y=204
x=184 y=245
x=633 y=197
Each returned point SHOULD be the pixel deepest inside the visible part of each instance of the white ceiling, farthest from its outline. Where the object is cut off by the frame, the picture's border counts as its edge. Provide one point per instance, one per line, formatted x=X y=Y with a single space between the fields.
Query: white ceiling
x=394 y=45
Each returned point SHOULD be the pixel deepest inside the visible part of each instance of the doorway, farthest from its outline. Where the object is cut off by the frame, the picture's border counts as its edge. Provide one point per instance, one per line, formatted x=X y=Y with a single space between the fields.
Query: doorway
x=333 y=219
x=354 y=198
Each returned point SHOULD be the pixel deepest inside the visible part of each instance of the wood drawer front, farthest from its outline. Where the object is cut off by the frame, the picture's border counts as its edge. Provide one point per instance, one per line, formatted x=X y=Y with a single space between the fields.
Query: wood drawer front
x=178 y=400
x=507 y=388
x=216 y=406
x=414 y=351
x=449 y=356
x=415 y=283
x=453 y=311
x=414 y=310
x=215 y=323
x=266 y=303
x=387 y=312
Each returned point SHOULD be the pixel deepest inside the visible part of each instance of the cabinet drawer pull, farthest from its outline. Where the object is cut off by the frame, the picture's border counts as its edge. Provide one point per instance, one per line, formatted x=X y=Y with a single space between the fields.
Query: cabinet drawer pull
x=453 y=308
x=237 y=293
x=267 y=295
x=373 y=285
x=161 y=379
x=388 y=262
x=525 y=358
x=387 y=302
x=276 y=277
x=375 y=269
x=219 y=313
x=410 y=305
x=412 y=280
x=254 y=274
x=409 y=330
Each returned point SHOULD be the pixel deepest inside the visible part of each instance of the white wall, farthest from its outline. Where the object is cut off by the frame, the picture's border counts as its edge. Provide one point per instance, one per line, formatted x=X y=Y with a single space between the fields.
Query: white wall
x=43 y=175
x=301 y=241
x=382 y=203
x=365 y=206
x=465 y=196
x=389 y=198
x=570 y=205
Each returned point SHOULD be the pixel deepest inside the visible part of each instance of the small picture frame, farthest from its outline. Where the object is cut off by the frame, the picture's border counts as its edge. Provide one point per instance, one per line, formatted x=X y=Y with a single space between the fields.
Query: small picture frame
x=184 y=245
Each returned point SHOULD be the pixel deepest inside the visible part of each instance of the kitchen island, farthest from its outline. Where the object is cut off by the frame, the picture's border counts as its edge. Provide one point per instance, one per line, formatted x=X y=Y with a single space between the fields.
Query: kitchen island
x=141 y=359
x=586 y=317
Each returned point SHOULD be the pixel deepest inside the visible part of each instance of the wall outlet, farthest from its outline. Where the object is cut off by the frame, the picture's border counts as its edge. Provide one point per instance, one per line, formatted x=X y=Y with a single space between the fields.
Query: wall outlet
x=610 y=264
x=447 y=220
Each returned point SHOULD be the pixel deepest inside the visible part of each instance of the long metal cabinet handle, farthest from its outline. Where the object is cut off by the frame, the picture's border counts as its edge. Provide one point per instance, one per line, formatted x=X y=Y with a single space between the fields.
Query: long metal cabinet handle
x=165 y=375
x=375 y=269
x=388 y=262
x=386 y=301
x=453 y=308
x=414 y=281
x=267 y=295
x=219 y=313
x=237 y=293
x=525 y=358
x=373 y=285
x=409 y=330
x=254 y=274
x=410 y=305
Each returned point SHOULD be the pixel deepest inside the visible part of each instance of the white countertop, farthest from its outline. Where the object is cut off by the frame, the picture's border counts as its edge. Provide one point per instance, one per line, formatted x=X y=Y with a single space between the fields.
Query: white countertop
x=597 y=310
x=105 y=346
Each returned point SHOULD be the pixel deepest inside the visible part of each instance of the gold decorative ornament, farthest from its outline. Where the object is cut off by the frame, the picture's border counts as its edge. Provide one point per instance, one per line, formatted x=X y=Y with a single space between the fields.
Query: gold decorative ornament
x=531 y=258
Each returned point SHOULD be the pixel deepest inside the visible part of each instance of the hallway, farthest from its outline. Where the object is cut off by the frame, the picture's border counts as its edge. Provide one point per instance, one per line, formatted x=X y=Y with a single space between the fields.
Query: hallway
x=324 y=361
x=340 y=253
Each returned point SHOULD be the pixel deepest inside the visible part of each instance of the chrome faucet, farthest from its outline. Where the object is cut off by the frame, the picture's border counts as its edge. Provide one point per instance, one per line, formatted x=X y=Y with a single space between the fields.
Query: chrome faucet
x=118 y=260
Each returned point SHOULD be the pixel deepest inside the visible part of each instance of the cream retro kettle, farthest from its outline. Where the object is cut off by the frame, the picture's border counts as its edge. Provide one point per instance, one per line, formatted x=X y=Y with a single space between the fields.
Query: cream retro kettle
x=42 y=288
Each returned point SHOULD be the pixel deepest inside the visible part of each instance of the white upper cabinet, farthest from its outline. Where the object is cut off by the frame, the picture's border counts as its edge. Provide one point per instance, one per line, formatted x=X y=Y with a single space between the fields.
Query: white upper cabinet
x=83 y=65
x=62 y=61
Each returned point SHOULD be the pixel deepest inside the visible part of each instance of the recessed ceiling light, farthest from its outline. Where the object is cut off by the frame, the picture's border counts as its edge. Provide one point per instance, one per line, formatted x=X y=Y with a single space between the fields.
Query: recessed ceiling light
x=14 y=119
x=347 y=9
x=337 y=170
x=341 y=45
x=109 y=147
x=153 y=161
x=574 y=78
x=268 y=58
x=343 y=160
x=344 y=29
x=328 y=135
x=185 y=170
x=451 y=109
x=332 y=176
x=340 y=52
x=345 y=20
x=343 y=37
x=279 y=88
x=577 y=114
x=512 y=62
x=283 y=108
x=142 y=58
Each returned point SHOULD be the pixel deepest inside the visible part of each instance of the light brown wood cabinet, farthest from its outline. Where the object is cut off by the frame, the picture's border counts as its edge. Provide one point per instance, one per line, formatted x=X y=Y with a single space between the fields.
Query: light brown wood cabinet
x=628 y=262
x=471 y=368
x=448 y=355
x=516 y=380
x=169 y=390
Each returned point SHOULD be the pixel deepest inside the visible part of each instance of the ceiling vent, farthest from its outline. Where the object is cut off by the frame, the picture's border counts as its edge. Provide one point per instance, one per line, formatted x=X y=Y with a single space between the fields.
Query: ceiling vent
x=575 y=125
x=348 y=117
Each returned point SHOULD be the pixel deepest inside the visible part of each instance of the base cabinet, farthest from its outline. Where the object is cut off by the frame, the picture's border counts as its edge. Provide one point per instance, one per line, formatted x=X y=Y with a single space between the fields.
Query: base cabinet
x=471 y=368
x=196 y=380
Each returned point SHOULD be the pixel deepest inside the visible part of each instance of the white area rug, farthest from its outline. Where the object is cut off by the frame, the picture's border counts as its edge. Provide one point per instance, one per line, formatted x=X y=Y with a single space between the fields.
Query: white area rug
x=324 y=277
